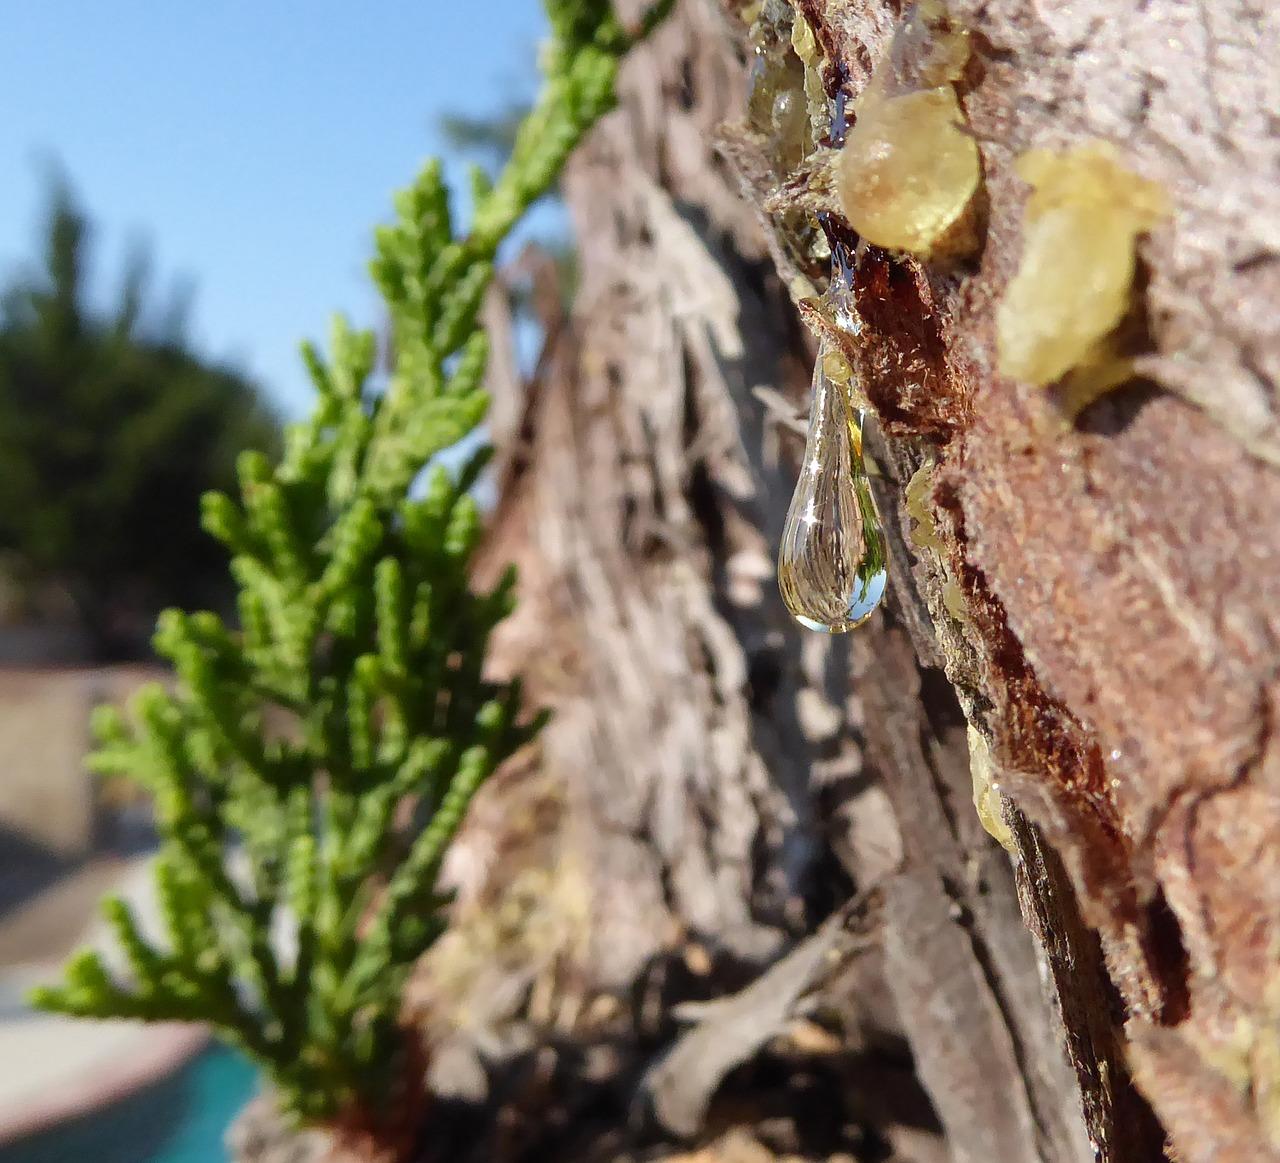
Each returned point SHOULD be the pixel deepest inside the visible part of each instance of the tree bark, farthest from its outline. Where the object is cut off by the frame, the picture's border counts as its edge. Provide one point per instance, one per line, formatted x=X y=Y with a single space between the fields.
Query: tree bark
x=722 y=783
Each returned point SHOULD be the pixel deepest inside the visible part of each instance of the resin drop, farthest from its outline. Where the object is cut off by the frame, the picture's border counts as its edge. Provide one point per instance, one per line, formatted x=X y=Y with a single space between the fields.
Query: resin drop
x=831 y=563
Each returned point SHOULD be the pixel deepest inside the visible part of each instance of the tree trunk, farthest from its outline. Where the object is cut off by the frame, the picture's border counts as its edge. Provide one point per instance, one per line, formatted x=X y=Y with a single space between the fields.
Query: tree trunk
x=779 y=826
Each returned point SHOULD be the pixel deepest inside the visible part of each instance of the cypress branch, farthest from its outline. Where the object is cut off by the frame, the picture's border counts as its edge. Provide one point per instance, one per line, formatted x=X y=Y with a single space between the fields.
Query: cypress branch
x=354 y=604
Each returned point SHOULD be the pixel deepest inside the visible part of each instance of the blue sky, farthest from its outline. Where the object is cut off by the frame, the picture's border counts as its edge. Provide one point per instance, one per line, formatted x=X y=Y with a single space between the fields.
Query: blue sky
x=254 y=144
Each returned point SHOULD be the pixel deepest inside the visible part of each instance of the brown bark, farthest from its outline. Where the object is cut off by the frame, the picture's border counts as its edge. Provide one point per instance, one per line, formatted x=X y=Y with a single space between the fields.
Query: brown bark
x=716 y=781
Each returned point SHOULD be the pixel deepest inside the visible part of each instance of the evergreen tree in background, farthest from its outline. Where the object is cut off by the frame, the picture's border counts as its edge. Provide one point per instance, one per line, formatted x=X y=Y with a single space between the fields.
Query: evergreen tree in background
x=111 y=428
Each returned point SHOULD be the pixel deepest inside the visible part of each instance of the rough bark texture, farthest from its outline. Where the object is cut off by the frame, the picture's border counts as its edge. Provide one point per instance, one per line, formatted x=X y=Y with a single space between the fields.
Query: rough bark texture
x=716 y=782
x=1121 y=575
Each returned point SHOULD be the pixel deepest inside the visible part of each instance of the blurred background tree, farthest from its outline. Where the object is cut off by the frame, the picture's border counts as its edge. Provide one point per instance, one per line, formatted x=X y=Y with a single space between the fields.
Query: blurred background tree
x=488 y=139
x=111 y=428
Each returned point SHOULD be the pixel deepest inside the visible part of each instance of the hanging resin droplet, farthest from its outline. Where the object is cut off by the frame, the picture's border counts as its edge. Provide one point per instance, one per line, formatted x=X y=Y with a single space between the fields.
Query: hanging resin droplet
x=831 y=563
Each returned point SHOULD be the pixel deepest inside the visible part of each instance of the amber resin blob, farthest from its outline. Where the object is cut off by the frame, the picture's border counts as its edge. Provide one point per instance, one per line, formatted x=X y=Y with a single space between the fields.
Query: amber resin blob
x=909 y=168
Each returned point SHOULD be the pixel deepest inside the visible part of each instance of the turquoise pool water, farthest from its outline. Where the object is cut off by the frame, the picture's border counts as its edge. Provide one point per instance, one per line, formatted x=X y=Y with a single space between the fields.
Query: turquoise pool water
x=180 y=1119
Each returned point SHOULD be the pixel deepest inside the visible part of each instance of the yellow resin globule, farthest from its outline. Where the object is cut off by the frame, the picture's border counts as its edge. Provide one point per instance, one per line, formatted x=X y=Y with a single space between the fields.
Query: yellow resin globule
x=1075 y=281
x=831 y=561
x=909 y=167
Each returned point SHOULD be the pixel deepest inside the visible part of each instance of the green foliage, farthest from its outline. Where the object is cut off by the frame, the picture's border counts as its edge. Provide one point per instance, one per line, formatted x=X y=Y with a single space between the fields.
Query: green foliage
x=110 y=430
x=286 y=760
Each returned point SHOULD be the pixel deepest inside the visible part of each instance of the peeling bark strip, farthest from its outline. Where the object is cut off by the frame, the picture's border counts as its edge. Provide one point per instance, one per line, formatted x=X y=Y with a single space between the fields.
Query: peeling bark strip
x=732 y=1030
x=1100 y=600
